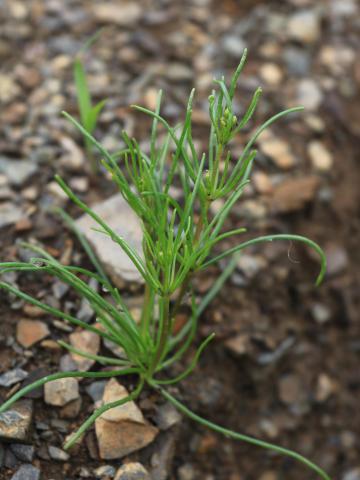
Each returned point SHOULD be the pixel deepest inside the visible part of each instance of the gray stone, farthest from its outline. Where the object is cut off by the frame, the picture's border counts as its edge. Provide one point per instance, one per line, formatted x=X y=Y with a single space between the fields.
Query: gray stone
x=23 y=452
x=233 y=45
x=12 y=376
x=186 y=472
x=119 y=216
x=178 y=72
x=251 y=265
x=167 y=416
x=86 y=312
x=17 y=171
x=132 y=471
x=96 y=390
x=10 y=214
x=59 y=289
x=297 y=61
x=58 y=454
x=15 y=422
x=309 y=94
x=27 y=472
x=161 y=460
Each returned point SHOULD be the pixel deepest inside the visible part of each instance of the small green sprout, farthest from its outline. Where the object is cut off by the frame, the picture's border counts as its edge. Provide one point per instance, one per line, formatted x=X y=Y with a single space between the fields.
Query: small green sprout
x=179 y=239
x=89 y=113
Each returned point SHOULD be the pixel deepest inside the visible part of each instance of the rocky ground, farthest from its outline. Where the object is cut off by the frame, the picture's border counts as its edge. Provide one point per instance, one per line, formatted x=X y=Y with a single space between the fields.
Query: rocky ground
x=285 y=365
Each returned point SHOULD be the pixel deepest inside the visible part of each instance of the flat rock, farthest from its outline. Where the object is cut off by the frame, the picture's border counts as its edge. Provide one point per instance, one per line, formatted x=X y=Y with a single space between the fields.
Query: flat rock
x=15 y=422
x=62 y=391
x=12 y=376
x=27 y=472
x=129 y=411
x=119 y=216
x=9 y=214
x=117 y=439
x=17 y=171
x=132 y=471
x=29 y=332
x=88 y=342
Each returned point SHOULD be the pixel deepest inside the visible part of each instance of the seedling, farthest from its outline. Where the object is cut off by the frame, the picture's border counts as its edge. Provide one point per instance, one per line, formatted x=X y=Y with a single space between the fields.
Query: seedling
x=89 y=113
x=179 y=239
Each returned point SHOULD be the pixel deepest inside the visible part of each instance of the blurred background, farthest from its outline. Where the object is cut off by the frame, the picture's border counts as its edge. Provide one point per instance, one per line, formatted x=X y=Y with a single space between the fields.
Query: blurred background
x=285 y=366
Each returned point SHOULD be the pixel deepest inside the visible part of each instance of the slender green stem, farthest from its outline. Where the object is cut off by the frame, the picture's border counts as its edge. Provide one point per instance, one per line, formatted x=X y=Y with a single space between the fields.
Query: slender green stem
x=270 y=238
x=245 y=438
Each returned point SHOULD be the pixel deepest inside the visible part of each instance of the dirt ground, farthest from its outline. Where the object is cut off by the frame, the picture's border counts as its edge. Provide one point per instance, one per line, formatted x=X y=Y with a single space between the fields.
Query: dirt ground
x=285 y=363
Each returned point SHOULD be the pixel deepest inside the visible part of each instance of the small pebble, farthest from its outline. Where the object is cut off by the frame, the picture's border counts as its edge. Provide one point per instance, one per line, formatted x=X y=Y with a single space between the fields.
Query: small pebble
x=271 y=74
x=321 y=158
x=132 y=471
x=12 y=376
x=27 y=472
x=58 y=454
x=23 y=452
x=29 y=332
x=167 y=416
x=107 y=471
x=320 y=313
x=304 y=26
x=309 y=94
x=337 y=259
x=279 y=152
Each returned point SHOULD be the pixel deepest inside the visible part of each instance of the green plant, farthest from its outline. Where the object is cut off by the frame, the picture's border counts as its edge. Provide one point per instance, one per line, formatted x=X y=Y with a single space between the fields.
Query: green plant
x=89 y=113
x=178 y=240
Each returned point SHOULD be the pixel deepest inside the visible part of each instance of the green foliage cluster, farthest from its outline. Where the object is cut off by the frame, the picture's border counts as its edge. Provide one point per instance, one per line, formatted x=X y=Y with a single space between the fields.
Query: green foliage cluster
x=178 y=241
